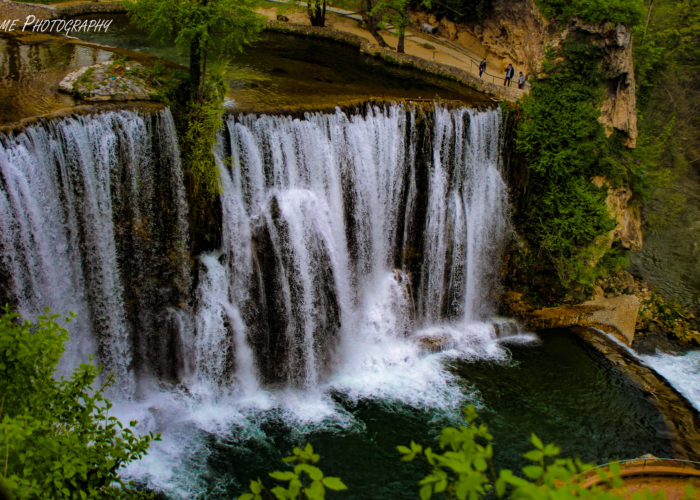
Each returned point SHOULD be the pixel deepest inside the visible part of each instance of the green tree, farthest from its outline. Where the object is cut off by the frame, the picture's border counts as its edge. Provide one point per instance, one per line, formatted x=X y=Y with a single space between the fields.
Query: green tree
x=57 y=439
x=211 y=30
x=206 y=28
x=396 y=13
x=371 y=19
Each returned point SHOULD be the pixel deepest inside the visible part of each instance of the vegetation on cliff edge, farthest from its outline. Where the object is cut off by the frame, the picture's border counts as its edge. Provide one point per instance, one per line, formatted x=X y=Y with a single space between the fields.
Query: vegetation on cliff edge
x=561 y=212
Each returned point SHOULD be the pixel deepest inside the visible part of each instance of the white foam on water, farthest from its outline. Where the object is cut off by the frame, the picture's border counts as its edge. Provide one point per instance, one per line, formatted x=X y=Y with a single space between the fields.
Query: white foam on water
x=682 y=372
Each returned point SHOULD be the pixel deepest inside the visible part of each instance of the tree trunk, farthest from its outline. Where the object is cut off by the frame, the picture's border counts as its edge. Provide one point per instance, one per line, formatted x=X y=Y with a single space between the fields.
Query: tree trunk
x=197 y=57
x=371 y=22
x=317 y=13
x=378 y=38
x=399 y=47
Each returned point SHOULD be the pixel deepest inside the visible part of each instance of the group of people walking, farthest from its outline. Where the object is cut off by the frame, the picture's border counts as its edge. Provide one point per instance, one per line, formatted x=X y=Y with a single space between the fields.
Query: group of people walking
x=510 y=72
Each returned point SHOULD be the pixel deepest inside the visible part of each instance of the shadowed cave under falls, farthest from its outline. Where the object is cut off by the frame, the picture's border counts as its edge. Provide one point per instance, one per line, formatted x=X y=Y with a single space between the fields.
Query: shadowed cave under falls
x=352 y=244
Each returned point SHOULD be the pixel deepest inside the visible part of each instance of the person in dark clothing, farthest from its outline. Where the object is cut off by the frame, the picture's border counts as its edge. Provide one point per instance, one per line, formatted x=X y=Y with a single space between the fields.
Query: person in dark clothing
x=521 y=80
x=482 y=67
x=509 y=75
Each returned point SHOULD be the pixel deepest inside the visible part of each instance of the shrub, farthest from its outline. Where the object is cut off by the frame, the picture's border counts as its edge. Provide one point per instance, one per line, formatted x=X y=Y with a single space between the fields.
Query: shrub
x=464 y=470
x=57 y=437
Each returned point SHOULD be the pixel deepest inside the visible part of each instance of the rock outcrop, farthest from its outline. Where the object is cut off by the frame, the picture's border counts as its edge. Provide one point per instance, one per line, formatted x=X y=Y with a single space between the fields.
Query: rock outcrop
x=613 y=315
x=109 y=81
x=628 y=231
x=615 y=42
x=516 y=32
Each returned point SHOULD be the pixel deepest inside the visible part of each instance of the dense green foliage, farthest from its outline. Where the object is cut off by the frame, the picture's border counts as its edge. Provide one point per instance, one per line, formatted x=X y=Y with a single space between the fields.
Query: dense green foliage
x=463 y=470
x=56 y=436
x=667 y=58
x=199 y=120
x=628 y=12
x=564 y=145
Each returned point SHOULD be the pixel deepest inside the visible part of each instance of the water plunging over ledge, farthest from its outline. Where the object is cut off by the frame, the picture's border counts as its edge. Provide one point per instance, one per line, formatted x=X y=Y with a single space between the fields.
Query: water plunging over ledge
x=347 y=238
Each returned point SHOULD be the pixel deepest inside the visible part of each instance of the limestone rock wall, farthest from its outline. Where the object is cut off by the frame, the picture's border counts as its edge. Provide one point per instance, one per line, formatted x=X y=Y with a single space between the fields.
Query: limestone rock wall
x=619 y=111
x=628 y=231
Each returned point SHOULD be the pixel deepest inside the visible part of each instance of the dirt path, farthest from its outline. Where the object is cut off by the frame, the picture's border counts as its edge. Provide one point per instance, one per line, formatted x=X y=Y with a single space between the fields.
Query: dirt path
x=428 y=47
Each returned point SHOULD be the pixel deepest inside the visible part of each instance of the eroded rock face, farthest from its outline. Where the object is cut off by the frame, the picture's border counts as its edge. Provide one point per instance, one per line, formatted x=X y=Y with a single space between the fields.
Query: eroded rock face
x=514 y=32
x=619 y=108
x=628 y=231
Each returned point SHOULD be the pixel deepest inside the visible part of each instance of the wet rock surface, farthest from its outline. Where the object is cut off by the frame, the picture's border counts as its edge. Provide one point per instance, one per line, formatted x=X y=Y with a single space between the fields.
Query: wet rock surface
x=614 y=315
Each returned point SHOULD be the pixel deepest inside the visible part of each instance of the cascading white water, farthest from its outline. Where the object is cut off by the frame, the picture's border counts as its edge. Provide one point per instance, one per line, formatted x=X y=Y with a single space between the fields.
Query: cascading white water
x=318 y=213
x=73 y=191
x=319 y=216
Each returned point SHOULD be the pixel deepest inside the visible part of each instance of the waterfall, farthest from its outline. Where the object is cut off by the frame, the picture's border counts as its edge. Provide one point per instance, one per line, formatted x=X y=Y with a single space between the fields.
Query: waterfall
x=345 y=237
x=93 y=221
x=326 y=215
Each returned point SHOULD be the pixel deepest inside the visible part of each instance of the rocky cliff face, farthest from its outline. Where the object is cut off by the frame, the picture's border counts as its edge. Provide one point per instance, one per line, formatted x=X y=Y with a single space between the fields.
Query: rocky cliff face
x=516 y=32
x=628 y=231
x=615 y=42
